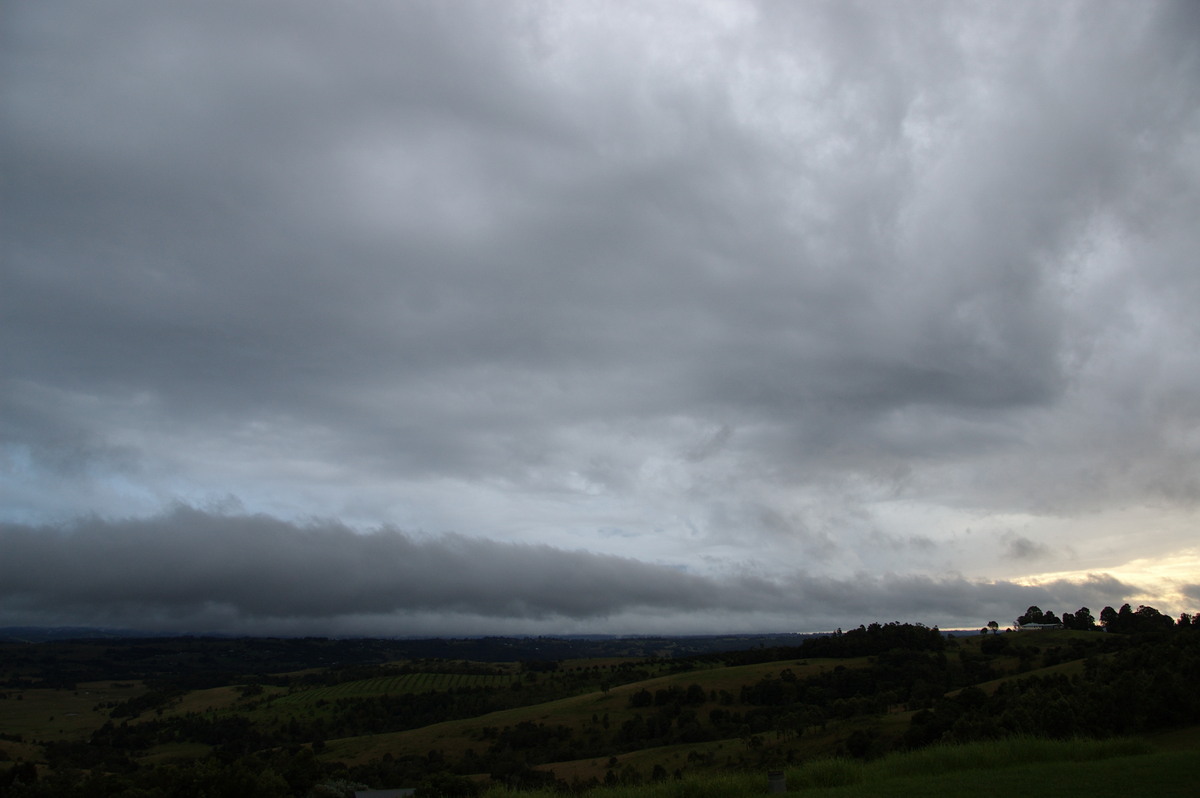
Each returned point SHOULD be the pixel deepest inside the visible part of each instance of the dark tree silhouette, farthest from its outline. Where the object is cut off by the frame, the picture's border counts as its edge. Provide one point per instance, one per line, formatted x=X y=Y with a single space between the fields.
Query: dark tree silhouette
x=1032 y=615
x=1081 y=620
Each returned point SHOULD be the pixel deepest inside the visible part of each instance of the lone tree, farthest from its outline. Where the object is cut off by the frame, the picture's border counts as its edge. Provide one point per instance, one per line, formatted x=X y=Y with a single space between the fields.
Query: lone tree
x=995 y=627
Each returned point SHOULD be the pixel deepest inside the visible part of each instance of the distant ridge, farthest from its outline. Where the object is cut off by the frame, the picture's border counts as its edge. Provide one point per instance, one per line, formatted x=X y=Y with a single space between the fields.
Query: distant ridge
x=482 y=647
x=45 y=634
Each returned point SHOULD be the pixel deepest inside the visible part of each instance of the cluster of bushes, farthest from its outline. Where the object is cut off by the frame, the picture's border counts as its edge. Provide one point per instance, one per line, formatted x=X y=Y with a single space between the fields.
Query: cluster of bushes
x=865 y=641
x=1141 y=688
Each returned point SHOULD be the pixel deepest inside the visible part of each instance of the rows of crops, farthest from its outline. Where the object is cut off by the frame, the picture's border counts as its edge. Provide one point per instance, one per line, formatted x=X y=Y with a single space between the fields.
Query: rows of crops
x=399 y=684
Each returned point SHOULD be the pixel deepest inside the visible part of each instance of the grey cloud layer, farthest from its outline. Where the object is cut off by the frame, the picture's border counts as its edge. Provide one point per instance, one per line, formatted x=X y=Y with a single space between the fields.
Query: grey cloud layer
x=741 y=272
x=235 y=220
x=264 y=567
x=256 y=570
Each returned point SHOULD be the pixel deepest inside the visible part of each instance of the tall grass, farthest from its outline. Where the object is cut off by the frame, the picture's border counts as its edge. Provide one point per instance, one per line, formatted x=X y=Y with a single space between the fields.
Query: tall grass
x=819 y=774
x=941 y=759
x=826 y=773
x=1001 y=753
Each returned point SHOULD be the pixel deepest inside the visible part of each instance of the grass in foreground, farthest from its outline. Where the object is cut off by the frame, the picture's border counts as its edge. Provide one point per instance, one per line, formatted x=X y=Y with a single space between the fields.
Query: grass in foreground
x=1163 y=775
x=1028 y=768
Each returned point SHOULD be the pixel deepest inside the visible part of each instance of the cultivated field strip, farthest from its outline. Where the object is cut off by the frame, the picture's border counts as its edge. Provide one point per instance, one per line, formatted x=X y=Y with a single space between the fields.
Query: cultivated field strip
x=400 y=684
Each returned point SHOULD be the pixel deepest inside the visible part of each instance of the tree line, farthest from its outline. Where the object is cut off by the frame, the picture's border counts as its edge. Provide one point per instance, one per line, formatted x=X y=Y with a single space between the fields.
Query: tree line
x=1126 y=620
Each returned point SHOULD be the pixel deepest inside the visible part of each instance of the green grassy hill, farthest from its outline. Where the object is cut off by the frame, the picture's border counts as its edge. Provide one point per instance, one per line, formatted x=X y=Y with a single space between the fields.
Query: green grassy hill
x=608 y=709
x=849 y=705
x=1026 y=767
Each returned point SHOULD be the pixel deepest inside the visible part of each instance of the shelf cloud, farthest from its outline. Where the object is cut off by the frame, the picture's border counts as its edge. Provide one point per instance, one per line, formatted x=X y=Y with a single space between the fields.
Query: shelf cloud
x=255 y=572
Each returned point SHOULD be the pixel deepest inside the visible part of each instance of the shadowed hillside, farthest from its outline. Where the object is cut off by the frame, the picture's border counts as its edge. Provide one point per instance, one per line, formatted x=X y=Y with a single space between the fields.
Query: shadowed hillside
x=280 y=717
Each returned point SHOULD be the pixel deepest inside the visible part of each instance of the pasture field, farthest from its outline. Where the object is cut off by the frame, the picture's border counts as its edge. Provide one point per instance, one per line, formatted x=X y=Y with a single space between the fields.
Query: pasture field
x=214 y=699
x=1187 y=739
x=400 y=684
x=816 y=744
x=1165 y=775
x=1030 y=768
x=51 y=715
x=455 y=736
x=175 y=751
x=576 y=712
x=732 y=678
x=642 y=727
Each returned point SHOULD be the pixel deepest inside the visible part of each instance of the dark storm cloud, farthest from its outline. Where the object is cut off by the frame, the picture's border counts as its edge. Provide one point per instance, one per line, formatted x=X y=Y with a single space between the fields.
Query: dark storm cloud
x=263 y=572
x=263 y=567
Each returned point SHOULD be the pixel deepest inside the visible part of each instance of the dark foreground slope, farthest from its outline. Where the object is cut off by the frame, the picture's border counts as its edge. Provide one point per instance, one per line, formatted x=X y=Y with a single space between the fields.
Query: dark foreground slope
x=279 y=717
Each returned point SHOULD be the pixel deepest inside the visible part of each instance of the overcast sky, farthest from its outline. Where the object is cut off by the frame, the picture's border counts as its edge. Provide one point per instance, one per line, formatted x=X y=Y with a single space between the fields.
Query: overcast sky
x=545 y=317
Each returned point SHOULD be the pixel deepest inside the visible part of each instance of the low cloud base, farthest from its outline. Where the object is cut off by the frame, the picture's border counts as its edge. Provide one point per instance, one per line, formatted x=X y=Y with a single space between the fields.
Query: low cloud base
x=190 y=570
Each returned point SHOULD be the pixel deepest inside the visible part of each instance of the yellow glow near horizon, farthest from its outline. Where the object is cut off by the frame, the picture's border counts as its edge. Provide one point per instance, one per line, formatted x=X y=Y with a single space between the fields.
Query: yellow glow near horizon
x=1160 y=581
